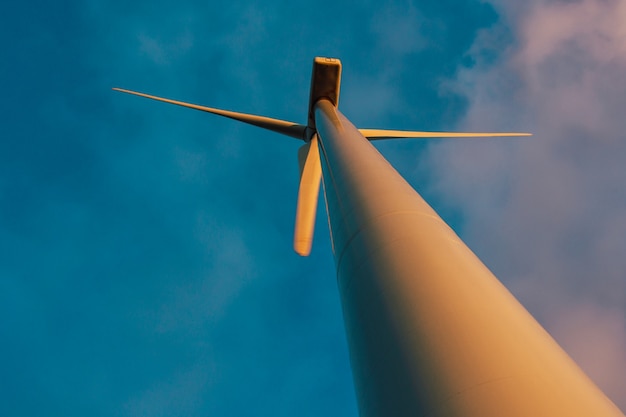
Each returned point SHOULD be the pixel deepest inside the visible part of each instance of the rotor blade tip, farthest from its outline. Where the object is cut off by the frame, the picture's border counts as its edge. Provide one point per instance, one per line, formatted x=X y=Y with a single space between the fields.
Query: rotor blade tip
x=302 y=249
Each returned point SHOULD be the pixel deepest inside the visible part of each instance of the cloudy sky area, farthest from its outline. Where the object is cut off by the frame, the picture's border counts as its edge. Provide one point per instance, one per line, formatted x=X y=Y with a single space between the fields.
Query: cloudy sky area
x=146 y=266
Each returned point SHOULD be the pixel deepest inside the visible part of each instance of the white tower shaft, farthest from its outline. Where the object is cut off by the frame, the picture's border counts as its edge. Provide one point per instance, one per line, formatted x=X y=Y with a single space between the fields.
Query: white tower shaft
x=431 y=331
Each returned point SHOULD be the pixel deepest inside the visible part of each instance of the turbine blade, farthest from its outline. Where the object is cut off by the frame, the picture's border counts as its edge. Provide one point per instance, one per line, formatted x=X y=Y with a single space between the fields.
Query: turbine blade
x=310 y=176
x=374 y=134
x=291 y=129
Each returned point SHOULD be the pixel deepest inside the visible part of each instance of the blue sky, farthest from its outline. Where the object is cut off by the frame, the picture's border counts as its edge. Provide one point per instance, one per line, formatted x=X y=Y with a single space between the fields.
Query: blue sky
x=146 y=265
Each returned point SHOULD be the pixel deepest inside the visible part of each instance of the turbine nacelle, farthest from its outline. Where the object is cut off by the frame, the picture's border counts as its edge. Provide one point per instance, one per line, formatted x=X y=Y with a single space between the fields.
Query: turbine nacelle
x=325 y=84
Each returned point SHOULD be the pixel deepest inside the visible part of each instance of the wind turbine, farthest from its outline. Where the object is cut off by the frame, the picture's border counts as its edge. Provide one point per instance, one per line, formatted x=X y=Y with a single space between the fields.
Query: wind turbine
x=431 y=330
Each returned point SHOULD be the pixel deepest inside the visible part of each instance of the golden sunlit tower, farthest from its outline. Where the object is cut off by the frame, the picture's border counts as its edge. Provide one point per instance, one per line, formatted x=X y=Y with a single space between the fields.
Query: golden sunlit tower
x=431 y=331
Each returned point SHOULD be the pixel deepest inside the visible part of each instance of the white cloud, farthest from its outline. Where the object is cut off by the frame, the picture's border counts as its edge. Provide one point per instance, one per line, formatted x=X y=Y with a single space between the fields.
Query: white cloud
x=596 y=339
x=547 y=214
